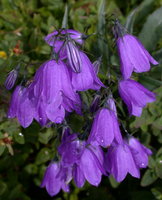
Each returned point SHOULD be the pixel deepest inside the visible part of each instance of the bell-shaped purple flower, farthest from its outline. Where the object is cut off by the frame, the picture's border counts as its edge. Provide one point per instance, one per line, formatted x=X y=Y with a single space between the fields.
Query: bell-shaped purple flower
x=87 y=78
x=135 y=96
x=86 y=160
x=105 y=128
x=73 y=55
x=56 y=178
x=119 y=161
x=133 y=56
x=21 y=106
x=139 y=151
x=11 y=79
x=91 y=164
x=52 y=93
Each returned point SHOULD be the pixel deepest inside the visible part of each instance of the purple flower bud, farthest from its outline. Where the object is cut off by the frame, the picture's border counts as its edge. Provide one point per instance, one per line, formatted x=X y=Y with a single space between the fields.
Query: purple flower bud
x=140 y=152
x=111 y=104
x=119 y=161
x=11 y=79
x=95 y=103
x=105 y=128
x=73 y=56
x=135 y=96
x=97 y=65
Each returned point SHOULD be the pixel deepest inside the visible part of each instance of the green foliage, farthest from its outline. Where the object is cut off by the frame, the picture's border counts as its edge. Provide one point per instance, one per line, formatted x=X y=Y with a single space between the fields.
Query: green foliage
x=25 y=153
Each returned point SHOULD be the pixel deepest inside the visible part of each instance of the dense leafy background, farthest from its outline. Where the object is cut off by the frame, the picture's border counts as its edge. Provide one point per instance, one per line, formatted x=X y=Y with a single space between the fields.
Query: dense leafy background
x=25 y=153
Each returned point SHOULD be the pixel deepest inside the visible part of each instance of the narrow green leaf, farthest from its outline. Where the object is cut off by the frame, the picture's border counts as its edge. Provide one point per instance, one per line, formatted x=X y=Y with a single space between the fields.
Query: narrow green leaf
x=65 y=18
x=130 y=21
x=152 y=30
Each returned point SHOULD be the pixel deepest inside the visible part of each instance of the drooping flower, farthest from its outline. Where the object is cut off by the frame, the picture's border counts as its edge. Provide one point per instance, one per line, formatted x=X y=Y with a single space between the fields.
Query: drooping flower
x=139 y=151
x=51 y=90
x=11 y=79
x=86 y=160
x=57 y=40
x=119 y=162
x=56 y=178
x=135 y=96
x=133 y=55
x=105 y=126
x=87 y=78
x=21 y=106
x=61 y=34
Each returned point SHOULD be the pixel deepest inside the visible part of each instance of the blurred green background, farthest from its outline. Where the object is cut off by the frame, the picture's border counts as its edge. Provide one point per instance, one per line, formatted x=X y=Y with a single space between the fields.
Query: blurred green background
x=25 y=153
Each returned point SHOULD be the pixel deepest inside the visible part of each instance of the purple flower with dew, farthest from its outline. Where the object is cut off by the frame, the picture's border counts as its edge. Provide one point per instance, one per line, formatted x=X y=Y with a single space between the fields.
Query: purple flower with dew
x=51 y=90
x=73 y=55
x=105 y=128
x=11 y=79
x=71 y=149
x=87 y=78
x=86 y=160
x=133 y=55
x=135 y=96
x=139 y=151
x=119 y=161
x=56 y=178
x=21 y=106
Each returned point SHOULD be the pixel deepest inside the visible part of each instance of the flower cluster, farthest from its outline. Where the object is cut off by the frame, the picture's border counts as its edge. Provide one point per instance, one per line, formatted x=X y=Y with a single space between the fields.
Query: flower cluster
x=54 y=88
x=54 y=92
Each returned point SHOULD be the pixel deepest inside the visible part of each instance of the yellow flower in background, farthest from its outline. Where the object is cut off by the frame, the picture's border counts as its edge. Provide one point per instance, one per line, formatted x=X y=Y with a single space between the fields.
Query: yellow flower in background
x=3 y=54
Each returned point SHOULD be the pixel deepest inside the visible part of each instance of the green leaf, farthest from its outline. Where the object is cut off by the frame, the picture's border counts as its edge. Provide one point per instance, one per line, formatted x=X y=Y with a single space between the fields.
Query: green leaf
x=130 y=21
x=19 y=137
x=152 y=30
x=3 y=187
x=2 y=148
x=43 y=156
x=31 y=169
x=101 y=31
x=65 y=18
x=44 y=137
x=148 y=178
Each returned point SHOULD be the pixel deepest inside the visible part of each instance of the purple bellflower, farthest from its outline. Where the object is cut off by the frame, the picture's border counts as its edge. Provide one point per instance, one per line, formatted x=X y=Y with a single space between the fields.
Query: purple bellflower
x=105 y=126
x=86 y=160
x=139 y=151
x=87 y=78
x=135 y=96
x=56 y=178
x=51 y=90
x=133 y=55
x=57 y=41
x=119 y=161
x=21 y=106
x=61 y=34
